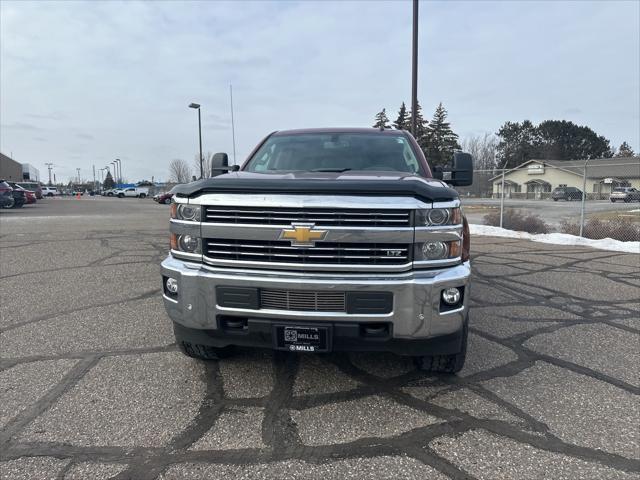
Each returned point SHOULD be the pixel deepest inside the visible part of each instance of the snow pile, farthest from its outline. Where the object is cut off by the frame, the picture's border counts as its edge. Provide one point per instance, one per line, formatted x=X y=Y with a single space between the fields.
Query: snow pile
x=557 y=239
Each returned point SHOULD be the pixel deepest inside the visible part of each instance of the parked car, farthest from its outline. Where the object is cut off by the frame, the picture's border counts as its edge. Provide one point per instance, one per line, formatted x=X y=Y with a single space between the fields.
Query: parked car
x=30 y=196
x=165 y=197
x=18 y=197
x=625 y=194
x=6 y=195
x=34 y=187
x=50 y=191
x=566 y=193
x=140 y=192
x=109 y=193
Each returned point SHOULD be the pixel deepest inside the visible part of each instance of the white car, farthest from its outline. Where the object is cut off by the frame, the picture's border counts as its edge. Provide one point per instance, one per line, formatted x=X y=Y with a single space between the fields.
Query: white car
x=132 y=192
x=50 y=191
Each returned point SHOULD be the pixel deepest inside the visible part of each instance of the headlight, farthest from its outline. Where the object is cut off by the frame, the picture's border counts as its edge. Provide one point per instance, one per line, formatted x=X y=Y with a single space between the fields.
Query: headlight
x=188 y=243
x=434 y=250
x=438 y=216
x=437 y=250
x=185 y=212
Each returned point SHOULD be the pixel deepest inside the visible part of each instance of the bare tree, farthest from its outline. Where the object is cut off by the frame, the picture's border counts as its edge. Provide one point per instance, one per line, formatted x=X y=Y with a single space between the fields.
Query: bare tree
x=179 y=171
x=206 y=164
x=483 y=148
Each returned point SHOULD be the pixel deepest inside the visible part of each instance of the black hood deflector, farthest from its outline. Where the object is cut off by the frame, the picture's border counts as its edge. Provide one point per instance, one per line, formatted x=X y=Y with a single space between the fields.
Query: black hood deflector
x=427 y=190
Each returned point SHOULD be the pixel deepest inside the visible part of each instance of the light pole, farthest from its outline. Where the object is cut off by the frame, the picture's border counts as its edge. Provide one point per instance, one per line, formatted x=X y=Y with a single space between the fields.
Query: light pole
x=119 y=169
x=78 y=172
x=197 y=107
x=414 y=70
x=49 y=166
x=115 y=172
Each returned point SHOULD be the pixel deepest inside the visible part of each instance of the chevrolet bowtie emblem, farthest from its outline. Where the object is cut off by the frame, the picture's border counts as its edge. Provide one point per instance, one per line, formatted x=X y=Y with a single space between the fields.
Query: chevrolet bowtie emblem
x=302 y=234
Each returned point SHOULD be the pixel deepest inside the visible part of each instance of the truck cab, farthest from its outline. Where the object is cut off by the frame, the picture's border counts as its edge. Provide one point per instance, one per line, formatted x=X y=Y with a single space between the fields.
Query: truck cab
x=324 y=240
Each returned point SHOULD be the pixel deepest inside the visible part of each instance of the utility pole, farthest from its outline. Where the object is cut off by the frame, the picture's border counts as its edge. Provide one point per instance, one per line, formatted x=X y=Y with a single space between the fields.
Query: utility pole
x=78 y=171
x=94 y=177
x=49 y=166
x=414 y=70
x=233 y=128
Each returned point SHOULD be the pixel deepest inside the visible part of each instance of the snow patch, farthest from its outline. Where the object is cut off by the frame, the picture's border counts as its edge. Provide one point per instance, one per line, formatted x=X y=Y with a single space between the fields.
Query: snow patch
x=557 y=239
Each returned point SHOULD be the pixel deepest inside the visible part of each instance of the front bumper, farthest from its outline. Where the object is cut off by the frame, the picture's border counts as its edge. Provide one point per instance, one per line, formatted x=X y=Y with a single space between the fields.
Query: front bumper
x=416 y=312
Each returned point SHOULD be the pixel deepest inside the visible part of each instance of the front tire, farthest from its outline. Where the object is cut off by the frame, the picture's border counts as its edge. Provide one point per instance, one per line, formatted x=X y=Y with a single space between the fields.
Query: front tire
x=203 y=352
x=121 y=195
x=448 y=364
x=167 y=201
x=142 y=195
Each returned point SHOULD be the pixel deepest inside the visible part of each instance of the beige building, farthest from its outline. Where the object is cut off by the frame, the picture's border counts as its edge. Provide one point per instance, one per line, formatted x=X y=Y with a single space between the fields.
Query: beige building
x=10 y=169
x=536 y=179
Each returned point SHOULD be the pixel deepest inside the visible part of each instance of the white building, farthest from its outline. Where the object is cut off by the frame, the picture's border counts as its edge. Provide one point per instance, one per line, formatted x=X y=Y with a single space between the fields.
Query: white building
x=29 y=172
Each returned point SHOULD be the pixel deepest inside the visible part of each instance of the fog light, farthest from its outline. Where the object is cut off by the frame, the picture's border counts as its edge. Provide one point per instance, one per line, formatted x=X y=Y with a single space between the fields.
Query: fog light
x=188 y=243
x=172 y=285
x=451 y=296
x=434 y=250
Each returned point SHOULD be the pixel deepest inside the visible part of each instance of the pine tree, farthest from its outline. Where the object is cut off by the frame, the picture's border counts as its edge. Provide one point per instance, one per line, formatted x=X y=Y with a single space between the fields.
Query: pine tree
x=422 y=128
x=441 y=139
x=382 y=121
x=108 y=182
x=625 y=150
x=403 y=122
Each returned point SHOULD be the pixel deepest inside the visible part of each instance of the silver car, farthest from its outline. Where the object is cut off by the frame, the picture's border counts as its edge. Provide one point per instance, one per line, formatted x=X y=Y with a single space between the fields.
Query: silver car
x=625 y=194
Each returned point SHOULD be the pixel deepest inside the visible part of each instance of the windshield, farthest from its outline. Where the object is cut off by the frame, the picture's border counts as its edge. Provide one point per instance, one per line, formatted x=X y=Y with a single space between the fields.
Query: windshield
x=334 y=152
x=619 y=189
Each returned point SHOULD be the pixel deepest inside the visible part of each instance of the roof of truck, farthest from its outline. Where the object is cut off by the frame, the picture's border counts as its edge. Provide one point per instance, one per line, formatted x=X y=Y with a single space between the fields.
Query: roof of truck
x=302 y=131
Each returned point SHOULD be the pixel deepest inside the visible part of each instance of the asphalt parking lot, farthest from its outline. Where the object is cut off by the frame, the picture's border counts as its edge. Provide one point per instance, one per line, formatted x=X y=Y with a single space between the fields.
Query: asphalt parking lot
x=93 y=387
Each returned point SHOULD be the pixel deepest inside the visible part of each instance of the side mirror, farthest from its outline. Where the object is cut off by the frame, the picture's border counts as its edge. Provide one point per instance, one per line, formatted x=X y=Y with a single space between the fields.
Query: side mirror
x=220 y=165
x=460 y=173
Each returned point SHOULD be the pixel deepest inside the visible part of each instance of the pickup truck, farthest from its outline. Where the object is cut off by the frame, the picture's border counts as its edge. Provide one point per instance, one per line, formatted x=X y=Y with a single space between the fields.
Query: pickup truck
x=132 y=192
x=324 y=240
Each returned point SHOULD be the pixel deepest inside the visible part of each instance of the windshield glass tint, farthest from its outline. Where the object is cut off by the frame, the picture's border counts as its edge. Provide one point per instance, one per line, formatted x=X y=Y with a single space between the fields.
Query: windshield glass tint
x=334 y=152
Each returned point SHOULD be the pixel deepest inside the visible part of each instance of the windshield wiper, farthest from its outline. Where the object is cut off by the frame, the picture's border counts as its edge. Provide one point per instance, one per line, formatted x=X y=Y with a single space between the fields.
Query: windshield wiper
x=337 y=170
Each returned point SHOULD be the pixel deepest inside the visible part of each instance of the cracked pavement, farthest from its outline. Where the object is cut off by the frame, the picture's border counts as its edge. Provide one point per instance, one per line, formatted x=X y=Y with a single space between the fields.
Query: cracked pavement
x=93 y=387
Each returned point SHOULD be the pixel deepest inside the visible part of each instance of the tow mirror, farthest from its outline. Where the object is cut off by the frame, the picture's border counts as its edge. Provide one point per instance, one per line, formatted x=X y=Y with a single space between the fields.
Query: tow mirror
x=220 y=165
x=459 y=173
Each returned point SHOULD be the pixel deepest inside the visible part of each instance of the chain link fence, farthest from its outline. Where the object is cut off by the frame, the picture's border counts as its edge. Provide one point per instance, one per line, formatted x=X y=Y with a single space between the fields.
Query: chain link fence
x=593 y=199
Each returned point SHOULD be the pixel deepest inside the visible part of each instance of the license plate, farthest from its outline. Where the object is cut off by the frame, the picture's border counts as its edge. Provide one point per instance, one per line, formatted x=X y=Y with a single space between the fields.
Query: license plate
x=302 y=339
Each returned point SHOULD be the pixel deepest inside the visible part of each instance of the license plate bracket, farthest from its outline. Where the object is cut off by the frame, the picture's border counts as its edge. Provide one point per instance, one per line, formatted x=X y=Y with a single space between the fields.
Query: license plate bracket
x=302 y=338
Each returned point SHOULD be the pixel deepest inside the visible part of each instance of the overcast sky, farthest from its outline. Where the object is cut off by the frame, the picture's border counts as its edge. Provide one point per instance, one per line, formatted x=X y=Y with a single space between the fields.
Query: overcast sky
x=85 y=83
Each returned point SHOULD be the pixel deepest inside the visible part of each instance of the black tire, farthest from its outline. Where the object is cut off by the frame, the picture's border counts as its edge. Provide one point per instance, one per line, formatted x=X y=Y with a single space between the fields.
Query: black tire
x=167 y=201
x=49 y=194
x=121 y=195
x=204 y=352
x=448 y=364
x=11 y=203
x=142 y=195
x=555 y=199
x=613 y=200
x=18 y=205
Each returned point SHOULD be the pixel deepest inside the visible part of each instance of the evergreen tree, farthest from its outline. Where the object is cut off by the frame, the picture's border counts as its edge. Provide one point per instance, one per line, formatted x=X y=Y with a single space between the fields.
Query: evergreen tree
x=625 y=150
x=382 y=121
x=108 y=182
x=422 y=128
x=442 y=141
x=403 y=122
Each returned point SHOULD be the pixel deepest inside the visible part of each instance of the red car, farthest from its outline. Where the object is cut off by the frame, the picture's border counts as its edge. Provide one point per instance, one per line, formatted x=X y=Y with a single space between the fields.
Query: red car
x=165 y=198
x=29 y=195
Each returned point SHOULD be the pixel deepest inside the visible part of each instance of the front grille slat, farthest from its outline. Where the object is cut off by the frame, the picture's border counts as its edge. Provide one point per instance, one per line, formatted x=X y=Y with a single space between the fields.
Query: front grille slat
x=307 y=301
x=325 y=253
x=319 y=216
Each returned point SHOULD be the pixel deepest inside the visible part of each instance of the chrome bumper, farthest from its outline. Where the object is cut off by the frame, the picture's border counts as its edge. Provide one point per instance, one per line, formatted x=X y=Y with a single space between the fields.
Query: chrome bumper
x=416 y=306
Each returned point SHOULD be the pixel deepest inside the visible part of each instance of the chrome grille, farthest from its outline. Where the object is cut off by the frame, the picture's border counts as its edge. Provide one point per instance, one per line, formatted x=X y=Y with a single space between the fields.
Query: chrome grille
x=322 y=253
x=320 y=216
x=302 y=300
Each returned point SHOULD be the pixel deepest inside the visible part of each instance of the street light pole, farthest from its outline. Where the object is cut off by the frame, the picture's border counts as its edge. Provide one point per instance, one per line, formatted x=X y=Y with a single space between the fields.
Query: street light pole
x=119 y=163
x=49 y=166
x=414 y=70
x=78 y=172
x=197 y=107
x=115 y=172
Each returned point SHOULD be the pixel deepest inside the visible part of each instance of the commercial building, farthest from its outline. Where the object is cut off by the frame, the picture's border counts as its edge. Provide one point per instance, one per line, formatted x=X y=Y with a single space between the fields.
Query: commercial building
x=536 y=179
x=10 y=169
x=31 y=173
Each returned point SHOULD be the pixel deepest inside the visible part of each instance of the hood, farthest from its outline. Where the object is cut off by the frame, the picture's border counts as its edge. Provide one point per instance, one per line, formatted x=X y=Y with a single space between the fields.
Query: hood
x=333 y=183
